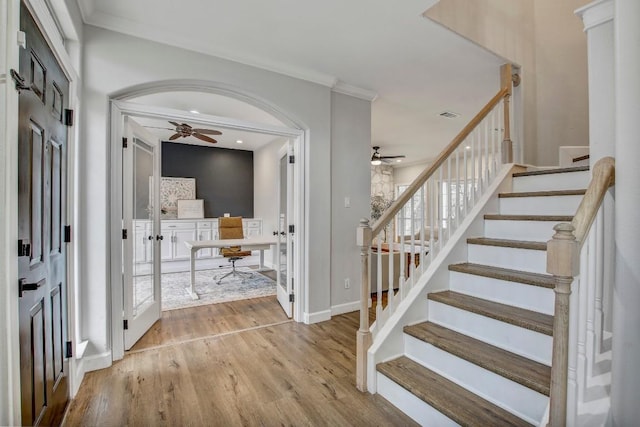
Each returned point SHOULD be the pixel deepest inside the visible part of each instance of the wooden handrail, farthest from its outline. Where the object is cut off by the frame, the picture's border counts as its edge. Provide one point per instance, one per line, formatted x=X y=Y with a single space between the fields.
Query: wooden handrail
x=563 y=261
x=426 y=174
x=603 y=178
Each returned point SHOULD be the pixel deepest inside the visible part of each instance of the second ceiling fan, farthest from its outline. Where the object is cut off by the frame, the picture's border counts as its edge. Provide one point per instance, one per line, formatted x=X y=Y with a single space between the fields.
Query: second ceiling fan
x=183 y=130
x=377 y=159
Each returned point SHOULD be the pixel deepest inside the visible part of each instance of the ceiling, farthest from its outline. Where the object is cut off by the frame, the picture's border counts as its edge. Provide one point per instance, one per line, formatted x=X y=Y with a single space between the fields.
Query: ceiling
x=384 y=50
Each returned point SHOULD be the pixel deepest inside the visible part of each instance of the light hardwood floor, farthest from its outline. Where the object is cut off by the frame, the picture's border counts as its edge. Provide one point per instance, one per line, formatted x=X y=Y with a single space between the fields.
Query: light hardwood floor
x=283 y=374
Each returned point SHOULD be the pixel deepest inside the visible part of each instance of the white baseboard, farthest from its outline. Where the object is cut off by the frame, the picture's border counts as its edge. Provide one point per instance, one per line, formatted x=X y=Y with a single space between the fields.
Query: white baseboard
x=318 y=316
x=98 y=361
x=345 y=308
x=75 y=379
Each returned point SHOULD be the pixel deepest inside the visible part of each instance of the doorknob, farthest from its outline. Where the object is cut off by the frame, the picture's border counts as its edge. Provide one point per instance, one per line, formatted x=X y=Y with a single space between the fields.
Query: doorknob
x=282 y=233
x=24 y=286
x=275 y=233
x=159 y=237
x=150 y=237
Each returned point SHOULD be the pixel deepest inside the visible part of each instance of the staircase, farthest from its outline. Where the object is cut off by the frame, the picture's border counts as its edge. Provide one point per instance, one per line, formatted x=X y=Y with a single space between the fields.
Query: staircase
x=483 y=355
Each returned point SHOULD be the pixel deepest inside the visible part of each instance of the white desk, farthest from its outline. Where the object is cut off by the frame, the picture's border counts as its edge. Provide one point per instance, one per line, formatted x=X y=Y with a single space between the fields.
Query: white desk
x=259 y=243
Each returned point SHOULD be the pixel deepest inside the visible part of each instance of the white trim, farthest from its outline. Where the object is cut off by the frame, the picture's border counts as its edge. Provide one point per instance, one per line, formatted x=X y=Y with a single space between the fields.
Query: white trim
x=347 y=307
x=97 y=361
x=120 y=108
x=318 y=316
x=355 y=91
x=596 y=13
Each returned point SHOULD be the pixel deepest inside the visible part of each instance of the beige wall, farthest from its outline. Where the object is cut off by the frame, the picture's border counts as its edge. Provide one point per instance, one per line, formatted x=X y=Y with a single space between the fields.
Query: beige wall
x=545 y=38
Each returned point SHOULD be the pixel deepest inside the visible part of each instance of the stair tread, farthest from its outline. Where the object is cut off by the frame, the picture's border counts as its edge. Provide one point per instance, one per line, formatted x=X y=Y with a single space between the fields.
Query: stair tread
x=552 y=171
x=454 y=401
x=506 y=243
x=555 y=218
x=578 y=192
x=528 y=278
x=529 y=373
x=521 y=317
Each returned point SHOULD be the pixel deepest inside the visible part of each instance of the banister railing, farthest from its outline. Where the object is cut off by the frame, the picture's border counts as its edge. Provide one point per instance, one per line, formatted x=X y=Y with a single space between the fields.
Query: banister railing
x=423 y=217
x=563 y=261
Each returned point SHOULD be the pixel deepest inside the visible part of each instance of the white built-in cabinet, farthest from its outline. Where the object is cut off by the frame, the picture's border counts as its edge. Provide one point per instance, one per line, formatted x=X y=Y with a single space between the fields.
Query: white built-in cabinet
x=177 y=231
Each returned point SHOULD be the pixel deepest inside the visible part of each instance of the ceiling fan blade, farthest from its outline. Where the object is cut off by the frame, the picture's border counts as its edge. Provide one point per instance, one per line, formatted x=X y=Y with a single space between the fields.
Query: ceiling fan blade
x=392 y=157
x=175 y=136
x=174 y=123
x=204 y=137
x=208 y=131
x=157 y=127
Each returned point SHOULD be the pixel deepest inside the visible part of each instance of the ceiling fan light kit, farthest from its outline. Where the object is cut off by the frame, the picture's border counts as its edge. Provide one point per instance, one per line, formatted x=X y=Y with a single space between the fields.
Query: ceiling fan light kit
x=377 y=159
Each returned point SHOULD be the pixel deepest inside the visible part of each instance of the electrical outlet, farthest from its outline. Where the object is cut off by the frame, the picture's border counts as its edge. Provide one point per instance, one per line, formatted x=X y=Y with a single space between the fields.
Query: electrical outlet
x=347 y=283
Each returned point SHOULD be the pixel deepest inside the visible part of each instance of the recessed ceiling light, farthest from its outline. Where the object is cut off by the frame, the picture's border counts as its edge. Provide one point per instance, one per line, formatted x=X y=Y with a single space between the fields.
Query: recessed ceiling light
x=239 y=141
x=398 y=160
x=194 y=111
x=468 y=147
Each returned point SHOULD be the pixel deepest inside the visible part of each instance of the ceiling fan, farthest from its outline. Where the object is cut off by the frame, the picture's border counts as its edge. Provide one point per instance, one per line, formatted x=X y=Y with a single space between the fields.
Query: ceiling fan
x=183 y=130
x=377 y=159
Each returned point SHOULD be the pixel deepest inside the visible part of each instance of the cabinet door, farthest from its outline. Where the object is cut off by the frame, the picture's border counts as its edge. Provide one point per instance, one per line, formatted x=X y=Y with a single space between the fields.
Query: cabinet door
x=166 y=245
x=140 y=246
x=180 y=250
x=204 y=235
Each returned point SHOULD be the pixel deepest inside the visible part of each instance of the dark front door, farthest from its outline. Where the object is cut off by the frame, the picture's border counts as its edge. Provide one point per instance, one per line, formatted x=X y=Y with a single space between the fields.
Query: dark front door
x=42 y=177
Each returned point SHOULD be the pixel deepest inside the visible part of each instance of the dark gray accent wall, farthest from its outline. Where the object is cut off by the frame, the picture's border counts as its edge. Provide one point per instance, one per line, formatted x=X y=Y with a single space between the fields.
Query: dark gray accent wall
x=224 y=178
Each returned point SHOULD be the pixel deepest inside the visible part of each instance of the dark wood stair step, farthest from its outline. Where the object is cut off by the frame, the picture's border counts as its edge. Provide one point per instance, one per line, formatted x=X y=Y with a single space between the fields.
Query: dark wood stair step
x=552 y=171
x=521 y=317
x=535 y=279
x=506 y=243
x=543 y=193
x=554 y=218
x=454 y=401
x=529 y=373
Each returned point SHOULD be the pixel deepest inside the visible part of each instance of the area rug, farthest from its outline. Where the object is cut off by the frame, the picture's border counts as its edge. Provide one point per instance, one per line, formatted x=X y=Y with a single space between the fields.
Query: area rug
x=232 y=288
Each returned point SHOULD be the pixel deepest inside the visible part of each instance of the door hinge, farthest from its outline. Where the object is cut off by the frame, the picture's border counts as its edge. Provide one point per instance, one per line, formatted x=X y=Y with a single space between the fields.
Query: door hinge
x=69 y=352
x=292 y=159
x=124 y=234
x=23 y=286
x=24 y=248
x=124 y=143
x=68 y=117
x=291 y=298
x=125 y=324
x=292 y=229
x=67 y=234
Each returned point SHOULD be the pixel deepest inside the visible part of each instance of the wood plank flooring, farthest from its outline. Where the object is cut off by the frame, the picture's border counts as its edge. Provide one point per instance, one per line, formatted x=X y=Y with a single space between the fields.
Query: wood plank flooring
x=283 y=374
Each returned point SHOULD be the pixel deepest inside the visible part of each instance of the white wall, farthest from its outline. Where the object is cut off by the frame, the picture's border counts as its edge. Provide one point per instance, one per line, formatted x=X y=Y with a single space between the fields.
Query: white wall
x=350 y=177
x=546 y=39
x=265 y=188
x=114 y=62
x=406 y=174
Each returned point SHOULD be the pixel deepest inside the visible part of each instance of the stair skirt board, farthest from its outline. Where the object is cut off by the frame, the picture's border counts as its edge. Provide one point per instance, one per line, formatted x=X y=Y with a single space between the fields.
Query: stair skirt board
x=512 y=258
x=509 y=395
x=521 y=341
x=416 y=408
x=550 y=205
x=520 y=295
x=540 y=231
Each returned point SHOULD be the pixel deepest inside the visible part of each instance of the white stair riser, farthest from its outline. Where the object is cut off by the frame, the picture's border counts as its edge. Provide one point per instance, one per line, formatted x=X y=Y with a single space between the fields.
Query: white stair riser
x=530 y=297
x=527 y=343
x=537 y=231
x=416 y=408
x=542 y=205
x=512 y=258
x=550 y=182
x=509 y=395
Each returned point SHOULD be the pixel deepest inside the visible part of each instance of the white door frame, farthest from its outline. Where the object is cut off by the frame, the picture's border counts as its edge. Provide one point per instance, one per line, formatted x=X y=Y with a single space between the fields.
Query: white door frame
x=10 y=412
x=119 y=109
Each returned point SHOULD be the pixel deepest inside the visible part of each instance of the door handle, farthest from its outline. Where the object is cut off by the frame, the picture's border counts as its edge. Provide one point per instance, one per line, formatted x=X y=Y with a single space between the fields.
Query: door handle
x=159 y=237
x=23 y=286
x=275 y=233
x=150 y=237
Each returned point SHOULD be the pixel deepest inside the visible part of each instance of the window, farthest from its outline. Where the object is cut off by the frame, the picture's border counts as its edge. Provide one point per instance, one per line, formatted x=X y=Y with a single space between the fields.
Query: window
x=404 y=216
x=448 y=198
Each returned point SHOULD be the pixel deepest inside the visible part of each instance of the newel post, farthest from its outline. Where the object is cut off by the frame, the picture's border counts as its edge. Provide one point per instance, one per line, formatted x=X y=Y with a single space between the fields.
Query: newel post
x=363 y=341
x=562 y=261
x=506 y=80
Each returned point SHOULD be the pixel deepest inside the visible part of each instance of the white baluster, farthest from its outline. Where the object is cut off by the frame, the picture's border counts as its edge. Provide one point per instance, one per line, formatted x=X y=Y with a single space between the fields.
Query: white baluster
x=379 y=284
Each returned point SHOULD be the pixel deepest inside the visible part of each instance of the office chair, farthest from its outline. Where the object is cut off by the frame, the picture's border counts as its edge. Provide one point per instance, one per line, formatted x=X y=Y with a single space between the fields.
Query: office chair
x=231 y=228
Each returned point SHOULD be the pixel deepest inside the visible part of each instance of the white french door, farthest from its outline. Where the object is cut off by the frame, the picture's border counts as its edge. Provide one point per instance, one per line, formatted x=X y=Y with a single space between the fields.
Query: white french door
x=141 y=223
x=285 y=248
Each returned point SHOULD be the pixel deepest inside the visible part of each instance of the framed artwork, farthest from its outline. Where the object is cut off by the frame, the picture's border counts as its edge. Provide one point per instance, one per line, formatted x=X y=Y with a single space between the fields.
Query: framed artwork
x=190 y=208
x=172 y=190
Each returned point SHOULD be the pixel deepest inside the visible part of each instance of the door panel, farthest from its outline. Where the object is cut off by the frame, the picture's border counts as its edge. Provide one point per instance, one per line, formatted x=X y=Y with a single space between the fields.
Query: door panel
x=42 y=181
x=141 y=186
x=284 y=288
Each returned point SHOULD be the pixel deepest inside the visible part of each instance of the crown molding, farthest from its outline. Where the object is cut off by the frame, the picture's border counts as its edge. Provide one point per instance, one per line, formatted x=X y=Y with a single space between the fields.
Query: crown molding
x=596 y=13
x=87 y=7
x=355 y=91
x=168 y=37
